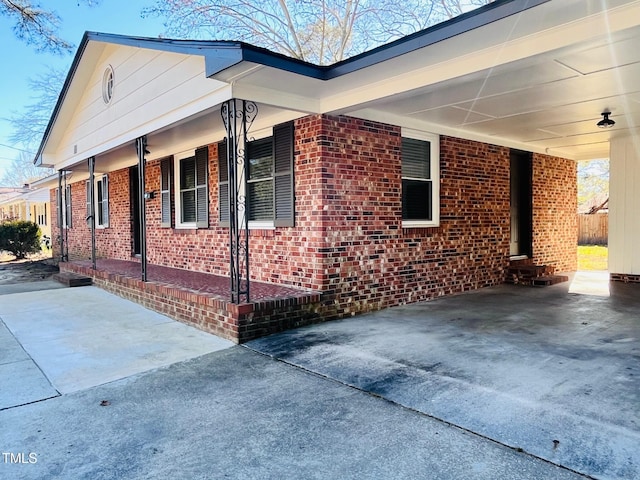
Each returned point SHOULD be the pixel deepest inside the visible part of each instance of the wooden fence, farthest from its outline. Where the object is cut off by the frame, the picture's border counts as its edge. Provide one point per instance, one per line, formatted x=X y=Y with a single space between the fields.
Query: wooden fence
x=593 y=229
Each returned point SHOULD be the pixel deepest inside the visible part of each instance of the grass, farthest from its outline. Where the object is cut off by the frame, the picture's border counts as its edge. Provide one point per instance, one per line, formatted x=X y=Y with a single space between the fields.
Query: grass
x=592 y=257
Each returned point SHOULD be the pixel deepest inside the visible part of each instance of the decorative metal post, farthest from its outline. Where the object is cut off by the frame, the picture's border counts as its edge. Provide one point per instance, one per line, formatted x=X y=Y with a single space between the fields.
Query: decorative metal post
x=60 y=215
x=141 y=148
x=91 y=217
x=238 y=116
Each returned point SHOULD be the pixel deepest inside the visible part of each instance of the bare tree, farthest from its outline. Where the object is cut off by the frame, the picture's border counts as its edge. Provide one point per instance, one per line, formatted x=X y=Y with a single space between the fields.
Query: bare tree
x=29 y=124
x=23 y=171
x=37 y=26
x=318 y=31
x=593 y=185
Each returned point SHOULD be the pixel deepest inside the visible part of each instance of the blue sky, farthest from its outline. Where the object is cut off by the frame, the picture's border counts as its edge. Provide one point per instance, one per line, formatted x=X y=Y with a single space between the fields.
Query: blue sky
x=21 y=62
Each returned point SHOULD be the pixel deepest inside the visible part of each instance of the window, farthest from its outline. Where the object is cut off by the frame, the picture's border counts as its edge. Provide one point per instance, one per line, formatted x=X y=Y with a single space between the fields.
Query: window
x=102 y=207
x=64 y=213
x=270 y=187
x=165 y=193
x=192 y=210
x=99 y=209
x=420 y=181
x=107 y=84
x=260 y=181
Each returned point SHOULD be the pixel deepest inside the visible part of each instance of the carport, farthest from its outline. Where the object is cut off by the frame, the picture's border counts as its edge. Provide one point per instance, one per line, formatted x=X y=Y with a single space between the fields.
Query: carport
x=547 y=371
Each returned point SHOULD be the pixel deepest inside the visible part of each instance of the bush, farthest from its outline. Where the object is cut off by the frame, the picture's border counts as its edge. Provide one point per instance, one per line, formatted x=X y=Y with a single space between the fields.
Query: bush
x=20 y=237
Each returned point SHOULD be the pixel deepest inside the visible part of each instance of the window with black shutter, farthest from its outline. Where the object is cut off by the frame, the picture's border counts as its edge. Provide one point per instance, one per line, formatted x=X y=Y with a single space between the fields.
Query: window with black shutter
x=194 y=202
x=270 y=183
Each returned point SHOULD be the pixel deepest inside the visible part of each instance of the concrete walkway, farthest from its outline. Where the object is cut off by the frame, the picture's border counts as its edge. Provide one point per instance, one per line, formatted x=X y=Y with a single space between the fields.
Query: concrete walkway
x=63 y=340
x=553 y=373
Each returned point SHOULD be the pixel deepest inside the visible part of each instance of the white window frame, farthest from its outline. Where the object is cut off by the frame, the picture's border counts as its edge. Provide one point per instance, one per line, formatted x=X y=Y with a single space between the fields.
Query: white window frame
x=94 y=206
x=61 y=204
x=261 y=224
x=434 y=142
x=103 y=181
x=177 y=159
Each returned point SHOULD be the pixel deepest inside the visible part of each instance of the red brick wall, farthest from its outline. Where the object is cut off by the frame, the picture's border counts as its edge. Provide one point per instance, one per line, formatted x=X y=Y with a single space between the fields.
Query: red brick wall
x=348 y=241
x=111 y=242
x=555 y=221
x=204 y=250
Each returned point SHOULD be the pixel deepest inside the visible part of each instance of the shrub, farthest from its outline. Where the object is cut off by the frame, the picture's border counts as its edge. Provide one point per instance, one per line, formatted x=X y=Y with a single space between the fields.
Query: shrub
x=20 y=237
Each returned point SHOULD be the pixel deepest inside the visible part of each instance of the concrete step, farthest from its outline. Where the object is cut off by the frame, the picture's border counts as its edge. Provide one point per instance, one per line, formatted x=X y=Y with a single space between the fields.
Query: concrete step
x=72 y=279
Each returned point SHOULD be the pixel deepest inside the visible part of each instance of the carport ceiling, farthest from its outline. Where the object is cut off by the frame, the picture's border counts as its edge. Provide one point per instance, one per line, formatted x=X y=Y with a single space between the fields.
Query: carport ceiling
x=549 y=102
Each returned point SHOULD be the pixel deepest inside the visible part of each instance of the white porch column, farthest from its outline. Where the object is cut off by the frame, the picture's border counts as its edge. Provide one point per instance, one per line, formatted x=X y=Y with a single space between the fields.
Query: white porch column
x=624 y=209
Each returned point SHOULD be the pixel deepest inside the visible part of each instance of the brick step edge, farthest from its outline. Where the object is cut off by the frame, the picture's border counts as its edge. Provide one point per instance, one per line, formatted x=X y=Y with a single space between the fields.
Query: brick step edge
x=72 y=279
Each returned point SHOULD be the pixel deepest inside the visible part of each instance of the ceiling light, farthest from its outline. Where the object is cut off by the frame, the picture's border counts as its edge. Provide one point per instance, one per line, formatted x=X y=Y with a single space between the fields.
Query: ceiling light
x=606 y=122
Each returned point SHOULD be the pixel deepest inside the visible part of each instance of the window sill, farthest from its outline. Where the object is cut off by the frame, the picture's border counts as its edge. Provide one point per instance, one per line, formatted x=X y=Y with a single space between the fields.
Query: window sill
x=419 y=224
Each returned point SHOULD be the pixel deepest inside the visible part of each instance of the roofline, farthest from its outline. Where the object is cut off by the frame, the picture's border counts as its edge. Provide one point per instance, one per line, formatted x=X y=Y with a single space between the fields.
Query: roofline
x=221 y=55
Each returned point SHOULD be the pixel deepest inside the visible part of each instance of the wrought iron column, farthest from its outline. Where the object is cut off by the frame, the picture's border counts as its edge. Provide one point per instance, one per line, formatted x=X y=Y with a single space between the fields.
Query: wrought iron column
x=141 y=148
x=91 y=217
x=238 y=116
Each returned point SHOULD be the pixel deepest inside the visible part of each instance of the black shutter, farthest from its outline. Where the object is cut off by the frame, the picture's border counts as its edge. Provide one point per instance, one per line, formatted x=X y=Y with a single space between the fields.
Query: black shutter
x=223 y=185
x=202 y=190
x=284 y=200
x=165 y=192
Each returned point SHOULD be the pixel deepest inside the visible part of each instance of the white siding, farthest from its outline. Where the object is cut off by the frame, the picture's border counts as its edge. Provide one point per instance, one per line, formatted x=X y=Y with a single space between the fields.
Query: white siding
x=149 y=87
x=624 y=207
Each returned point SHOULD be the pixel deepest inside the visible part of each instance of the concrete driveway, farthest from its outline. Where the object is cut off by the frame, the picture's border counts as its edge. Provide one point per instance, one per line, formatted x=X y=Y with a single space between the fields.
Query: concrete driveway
x=552 y=373
x=503 y=383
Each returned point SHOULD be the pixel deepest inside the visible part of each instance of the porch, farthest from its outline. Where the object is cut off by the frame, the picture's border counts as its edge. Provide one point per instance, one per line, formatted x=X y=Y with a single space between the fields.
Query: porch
x=202 y=299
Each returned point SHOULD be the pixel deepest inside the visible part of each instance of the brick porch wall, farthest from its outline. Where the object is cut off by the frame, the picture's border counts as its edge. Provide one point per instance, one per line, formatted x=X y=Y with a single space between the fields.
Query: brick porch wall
x=555 y=222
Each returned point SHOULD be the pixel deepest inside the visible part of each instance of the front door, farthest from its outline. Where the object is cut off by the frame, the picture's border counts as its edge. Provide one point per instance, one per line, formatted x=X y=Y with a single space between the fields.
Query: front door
x=521 y=204
x=135 y=209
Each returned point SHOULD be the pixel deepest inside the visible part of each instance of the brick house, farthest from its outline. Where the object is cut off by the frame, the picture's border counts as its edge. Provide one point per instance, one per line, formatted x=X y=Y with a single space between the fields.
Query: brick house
x=416 y=170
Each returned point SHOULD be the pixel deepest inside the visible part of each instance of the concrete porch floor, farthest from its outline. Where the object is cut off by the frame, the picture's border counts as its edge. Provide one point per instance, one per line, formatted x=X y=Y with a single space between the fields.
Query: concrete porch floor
x=548 y=371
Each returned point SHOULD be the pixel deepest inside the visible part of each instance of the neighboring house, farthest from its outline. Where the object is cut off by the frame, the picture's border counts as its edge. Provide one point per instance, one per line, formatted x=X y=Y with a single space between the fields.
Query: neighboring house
x=413 y=171
x=27 y=204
